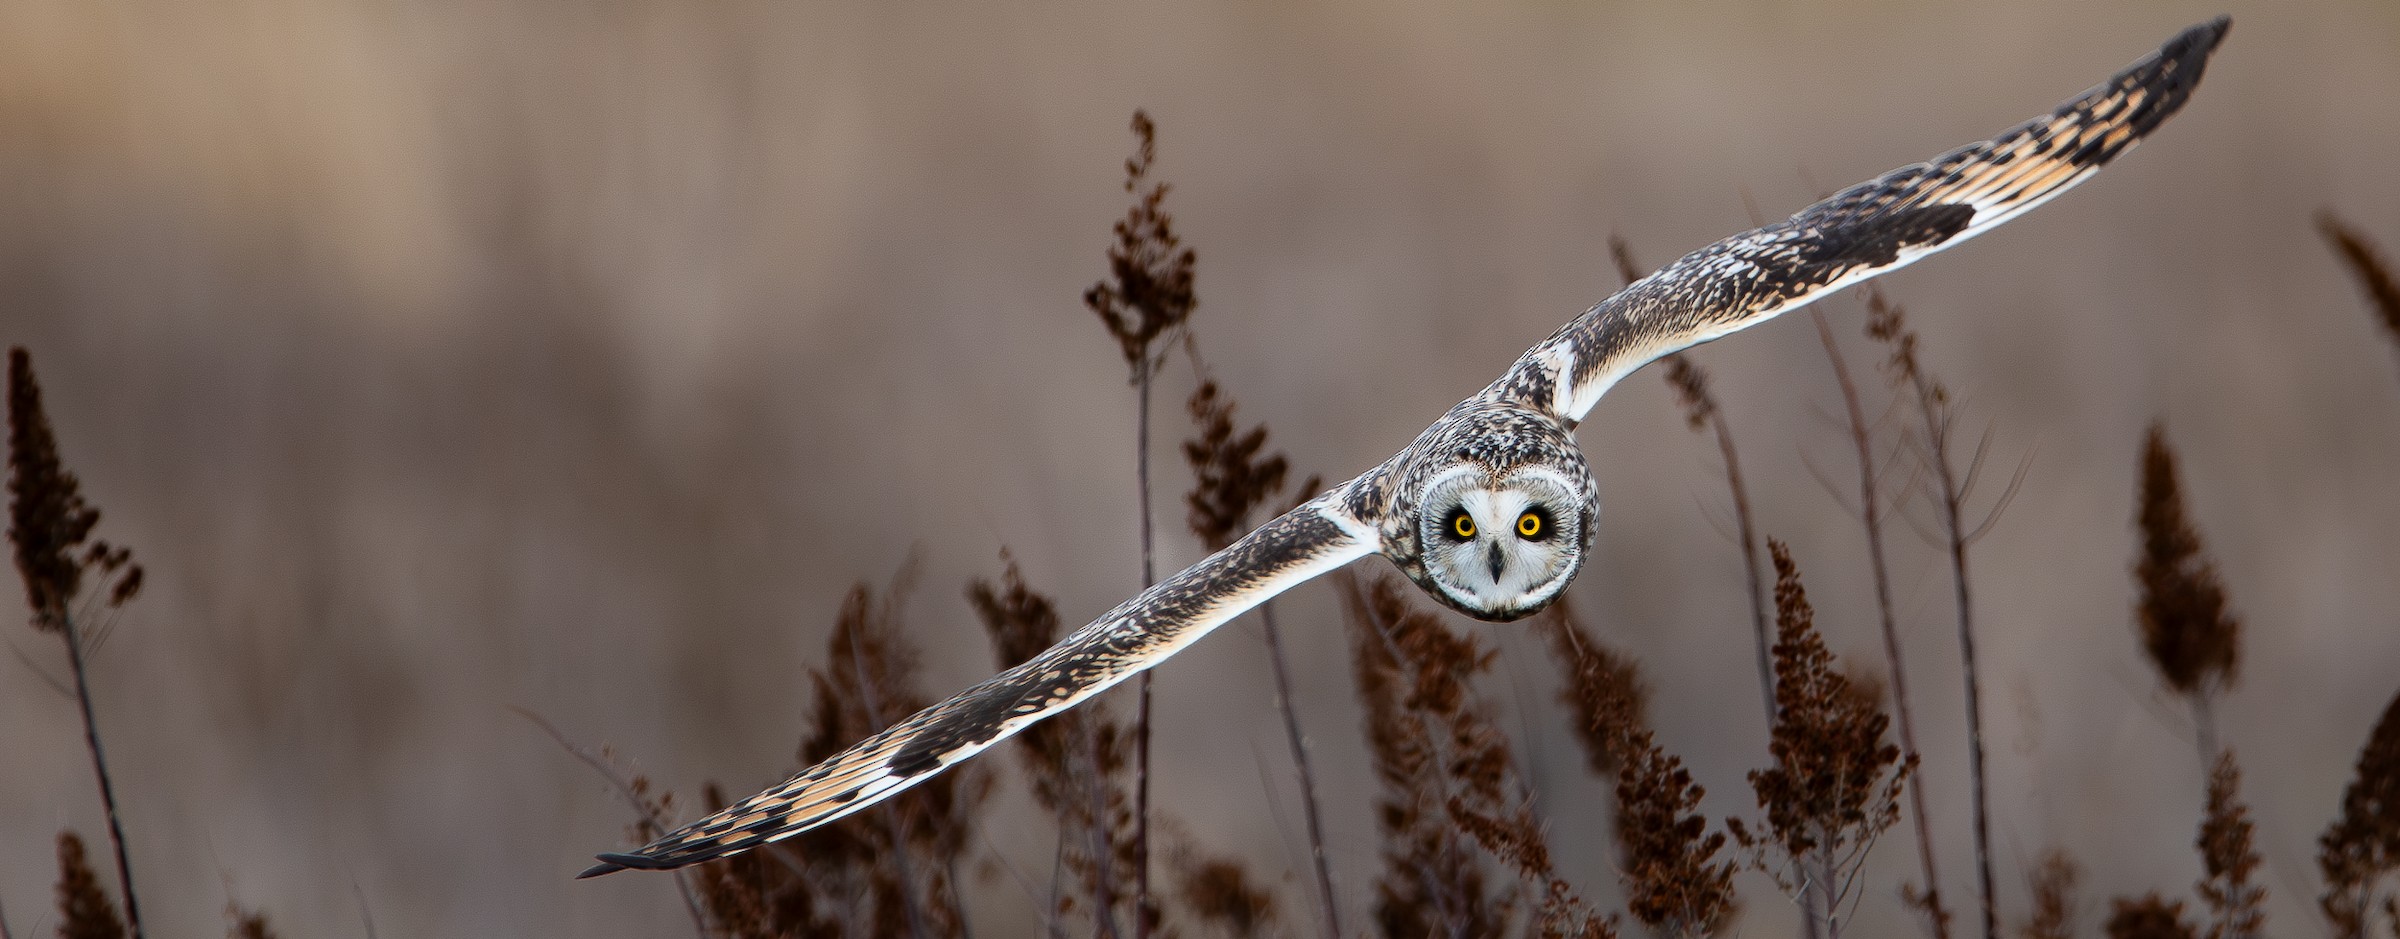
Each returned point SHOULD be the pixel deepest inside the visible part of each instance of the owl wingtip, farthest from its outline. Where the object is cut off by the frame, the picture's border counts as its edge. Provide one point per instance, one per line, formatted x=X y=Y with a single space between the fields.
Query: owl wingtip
x=612 y=863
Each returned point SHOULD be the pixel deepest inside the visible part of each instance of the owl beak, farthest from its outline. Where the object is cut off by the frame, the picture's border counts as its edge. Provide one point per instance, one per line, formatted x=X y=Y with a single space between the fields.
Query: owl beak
x=1497 y=561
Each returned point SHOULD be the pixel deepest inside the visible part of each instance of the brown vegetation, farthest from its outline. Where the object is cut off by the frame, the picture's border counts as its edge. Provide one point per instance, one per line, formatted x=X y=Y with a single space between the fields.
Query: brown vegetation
x=1835 y=782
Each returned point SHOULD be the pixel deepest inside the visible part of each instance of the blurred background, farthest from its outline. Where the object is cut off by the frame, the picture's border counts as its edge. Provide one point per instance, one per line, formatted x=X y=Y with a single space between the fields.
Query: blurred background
x=441 y=358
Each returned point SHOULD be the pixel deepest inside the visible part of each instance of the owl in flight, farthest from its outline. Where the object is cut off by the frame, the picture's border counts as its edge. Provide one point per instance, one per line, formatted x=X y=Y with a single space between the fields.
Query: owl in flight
x=1492 y=509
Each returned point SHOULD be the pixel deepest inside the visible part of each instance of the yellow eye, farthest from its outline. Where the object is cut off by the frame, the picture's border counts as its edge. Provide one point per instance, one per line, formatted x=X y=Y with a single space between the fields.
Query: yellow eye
x=1463 y=524
x=1529 y=525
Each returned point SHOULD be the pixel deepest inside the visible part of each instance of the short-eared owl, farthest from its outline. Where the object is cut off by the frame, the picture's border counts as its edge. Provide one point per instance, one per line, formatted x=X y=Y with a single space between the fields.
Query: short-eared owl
x=1491 y=509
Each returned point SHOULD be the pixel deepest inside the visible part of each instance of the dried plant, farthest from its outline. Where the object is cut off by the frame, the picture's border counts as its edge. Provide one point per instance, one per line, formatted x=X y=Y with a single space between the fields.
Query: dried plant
x=1701 y=411
x=1071 y=760
x=899 y=860
x=2367 y=264
x=1887 y=323
x=889 y=871
x=653 y=810
x=84 y=911
x=1218 y=892
x=2360 y=850
x=1150 y=291
x=1149 y=295
x=1232 y=477
x=768 y=893
x=1835 y=783
x=1604 y=695
x=2150 y=917
x=1412 y=681
x=49 y=524
x=246 y=925
x=1870 y=507
x=1674 y=883
x=2230 y=861
x=2053 y=888
x=2186 y=629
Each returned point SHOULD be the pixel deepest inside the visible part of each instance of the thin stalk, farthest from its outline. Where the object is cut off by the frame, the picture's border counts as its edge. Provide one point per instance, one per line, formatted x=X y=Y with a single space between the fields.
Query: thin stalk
x=108 y=791
x=1749 y=535
x=651 y=825
x=2204 y=720
x=1871 y=514
x=1104 y=858
x=1308 y=783
x=1141 y=717
x=1817 y=895
x=1937 y=442
x=1058 y=867
x=895 y=824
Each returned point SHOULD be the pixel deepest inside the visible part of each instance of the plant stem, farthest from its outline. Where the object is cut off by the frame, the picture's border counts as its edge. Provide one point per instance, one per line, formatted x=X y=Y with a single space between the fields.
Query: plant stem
x=1308 y=784
x=1749 y=534
x=108 y=791
x=1937 y=443
x=1870 y=511
x=1141 y=720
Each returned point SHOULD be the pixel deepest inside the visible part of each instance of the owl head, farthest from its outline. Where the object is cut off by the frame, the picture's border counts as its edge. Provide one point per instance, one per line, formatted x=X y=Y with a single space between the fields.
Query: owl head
x=1498 y=514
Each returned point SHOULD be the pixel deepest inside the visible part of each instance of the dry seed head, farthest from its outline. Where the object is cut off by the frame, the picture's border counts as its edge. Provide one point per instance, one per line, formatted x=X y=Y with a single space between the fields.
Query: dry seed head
x=1604 y=693
x=1408 y=669
x=84 y=910
x=1829 y=786
x=241 y=925
x=1230 y=477
x=1674 y=883
x=2362 y=845
x=2374 y=274
x=2149 y=917
x=2053 y=889
x=2186 y=629
x=47 y=517
x=1219 y=891
x=1150 y=291
x=2228 y=857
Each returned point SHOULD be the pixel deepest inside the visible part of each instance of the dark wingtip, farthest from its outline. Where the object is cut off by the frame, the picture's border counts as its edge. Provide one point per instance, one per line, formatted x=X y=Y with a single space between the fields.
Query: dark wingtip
x=612 y=863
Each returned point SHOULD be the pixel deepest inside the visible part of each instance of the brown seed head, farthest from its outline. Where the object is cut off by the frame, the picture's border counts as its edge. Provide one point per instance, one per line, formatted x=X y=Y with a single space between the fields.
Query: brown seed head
x=47 y=517
x=1150 y=290
x=1230 y=476
x=1674 y=883
x=1219 y=892
x=1425 y=747
x=2150 y=917
x=1829 y=786
x=2362 y=845
x=84 y=910
x=2228 y=858
x=242 y=925
x=2374 y=274
x=2185 y=626
x=2053 y=888
x=1604 y=694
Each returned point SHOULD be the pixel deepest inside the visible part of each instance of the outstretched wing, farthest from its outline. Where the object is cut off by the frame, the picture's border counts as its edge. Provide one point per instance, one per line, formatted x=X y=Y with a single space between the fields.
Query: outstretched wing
x=1310 y=540
x=1869 y=229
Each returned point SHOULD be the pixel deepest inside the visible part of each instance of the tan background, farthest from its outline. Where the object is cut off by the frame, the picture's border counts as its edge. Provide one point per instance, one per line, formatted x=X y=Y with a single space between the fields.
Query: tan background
x=440 y=358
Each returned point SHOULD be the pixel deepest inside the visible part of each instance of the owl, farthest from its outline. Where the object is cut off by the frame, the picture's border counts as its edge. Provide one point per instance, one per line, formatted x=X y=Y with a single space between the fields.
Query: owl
x=1492 y=510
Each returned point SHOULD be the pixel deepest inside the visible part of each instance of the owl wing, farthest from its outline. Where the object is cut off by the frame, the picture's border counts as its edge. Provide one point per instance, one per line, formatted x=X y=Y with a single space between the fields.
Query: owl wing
x=1316 y=537
x=1874 y=227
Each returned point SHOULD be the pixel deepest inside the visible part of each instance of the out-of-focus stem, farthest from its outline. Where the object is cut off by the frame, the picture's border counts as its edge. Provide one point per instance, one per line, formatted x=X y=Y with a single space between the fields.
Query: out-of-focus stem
x=1871 y=515
x=1308 y=782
